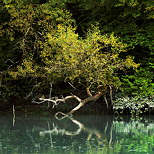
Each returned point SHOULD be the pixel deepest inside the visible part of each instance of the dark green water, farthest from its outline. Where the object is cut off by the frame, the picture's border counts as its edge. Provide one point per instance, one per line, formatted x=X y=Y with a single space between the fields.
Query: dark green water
x=87 y=134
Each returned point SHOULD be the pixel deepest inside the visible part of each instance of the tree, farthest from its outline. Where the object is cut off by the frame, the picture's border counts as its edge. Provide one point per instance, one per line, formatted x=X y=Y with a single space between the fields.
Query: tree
x=92 y=61
x=23 y=27
x=131 y=20
x=44 y=45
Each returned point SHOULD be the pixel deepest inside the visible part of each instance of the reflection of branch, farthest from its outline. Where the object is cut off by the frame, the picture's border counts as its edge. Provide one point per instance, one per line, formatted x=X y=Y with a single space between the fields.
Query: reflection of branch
x=110 y=136
x=106 y=127
x=81 y=127
x=50 y=136
x=32 y=140
x=57 y=131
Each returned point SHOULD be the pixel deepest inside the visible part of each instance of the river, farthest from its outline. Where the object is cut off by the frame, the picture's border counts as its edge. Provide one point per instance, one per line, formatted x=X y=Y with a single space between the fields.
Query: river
x=87 y=134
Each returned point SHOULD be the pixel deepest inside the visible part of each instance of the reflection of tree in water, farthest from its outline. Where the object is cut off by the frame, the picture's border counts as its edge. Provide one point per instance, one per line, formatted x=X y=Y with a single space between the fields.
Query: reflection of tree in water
x=81 y=128
x=135 y=135
x=43 y=134
x=86 y=133
x=92 y=133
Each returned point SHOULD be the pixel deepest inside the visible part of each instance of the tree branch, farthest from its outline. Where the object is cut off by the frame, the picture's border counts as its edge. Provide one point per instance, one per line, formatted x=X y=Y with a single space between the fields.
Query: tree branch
x=111 y=94
x=56 y=101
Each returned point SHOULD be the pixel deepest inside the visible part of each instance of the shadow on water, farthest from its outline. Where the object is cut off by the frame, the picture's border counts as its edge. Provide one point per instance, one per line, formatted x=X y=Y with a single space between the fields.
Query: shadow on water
x=91 y=134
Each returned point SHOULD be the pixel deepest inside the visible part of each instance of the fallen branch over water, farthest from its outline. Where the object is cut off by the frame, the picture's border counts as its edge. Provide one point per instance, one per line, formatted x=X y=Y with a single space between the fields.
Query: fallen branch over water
x=82 y=102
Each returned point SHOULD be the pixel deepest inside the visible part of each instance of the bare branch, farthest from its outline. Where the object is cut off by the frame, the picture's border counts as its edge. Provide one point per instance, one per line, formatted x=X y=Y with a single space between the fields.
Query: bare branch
x=77 y=98
x=50 y=89
x=47 y=100
x=106 y=101
x=76 y=108
x=111 y=94
x=83 y=102
x=56 y=101
x=37 y=85
x=33 y=101
x=50 y=94
x=88 y=92
x=72 y=86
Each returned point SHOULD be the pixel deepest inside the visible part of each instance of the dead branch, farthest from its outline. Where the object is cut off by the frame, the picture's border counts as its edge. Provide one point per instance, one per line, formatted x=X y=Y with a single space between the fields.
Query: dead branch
x=82 y=102
x=50 y=93
x=56 y=100
x=88 y=92
x=72 y=86
x=106 y=101
x=111 y=94
x=31 y=93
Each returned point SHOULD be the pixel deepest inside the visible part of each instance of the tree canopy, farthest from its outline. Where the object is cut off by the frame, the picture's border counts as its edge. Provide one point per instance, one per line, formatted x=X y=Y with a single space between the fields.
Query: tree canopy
x=86 y=43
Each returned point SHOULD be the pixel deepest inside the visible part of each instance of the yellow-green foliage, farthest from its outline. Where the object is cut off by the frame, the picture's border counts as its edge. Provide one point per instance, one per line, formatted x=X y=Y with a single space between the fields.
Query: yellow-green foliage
x=23 y=33
x=93 y=60
x=48 y=46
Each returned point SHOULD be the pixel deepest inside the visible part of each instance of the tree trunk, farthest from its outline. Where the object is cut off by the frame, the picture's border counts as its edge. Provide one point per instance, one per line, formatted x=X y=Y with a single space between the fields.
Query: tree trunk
x=83 y=102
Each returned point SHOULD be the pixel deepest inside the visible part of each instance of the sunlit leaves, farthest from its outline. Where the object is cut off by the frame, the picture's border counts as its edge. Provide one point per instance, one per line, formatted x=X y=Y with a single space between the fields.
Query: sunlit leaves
x=94 y=59
x=140 y=83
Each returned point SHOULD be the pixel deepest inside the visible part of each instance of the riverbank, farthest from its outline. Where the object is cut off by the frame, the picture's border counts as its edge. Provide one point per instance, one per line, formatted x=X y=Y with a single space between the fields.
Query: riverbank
x=99 y=107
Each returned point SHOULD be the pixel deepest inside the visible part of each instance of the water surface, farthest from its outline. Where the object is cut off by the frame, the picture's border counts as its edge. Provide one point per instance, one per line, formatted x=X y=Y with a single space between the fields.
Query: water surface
x=87 y=134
